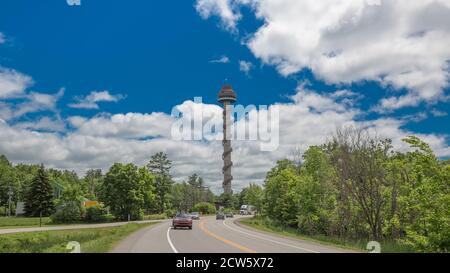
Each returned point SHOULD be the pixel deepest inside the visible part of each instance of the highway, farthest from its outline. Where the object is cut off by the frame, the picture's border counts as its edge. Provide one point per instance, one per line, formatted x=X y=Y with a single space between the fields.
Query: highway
x=215 y=236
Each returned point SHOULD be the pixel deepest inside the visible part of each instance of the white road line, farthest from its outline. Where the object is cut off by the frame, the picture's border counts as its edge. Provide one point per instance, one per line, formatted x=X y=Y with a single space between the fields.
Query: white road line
x=270 y=240
x=170 y=241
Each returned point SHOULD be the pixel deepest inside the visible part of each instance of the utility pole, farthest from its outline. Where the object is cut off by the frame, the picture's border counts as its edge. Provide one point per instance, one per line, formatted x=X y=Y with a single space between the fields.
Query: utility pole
x=10 y=194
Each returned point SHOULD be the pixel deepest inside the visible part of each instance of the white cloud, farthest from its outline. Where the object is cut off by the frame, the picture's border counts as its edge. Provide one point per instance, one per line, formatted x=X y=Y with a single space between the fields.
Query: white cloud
x=221 y=60
x=97 y=142
x=38 y=102
x=398 y=43
x=245 y=67
x=91 y=101
x=223 y=8
x=32 y=102
x=6 y=112
x=130 y=125
x=438 y=113
x=12 y=83
x=43 y=124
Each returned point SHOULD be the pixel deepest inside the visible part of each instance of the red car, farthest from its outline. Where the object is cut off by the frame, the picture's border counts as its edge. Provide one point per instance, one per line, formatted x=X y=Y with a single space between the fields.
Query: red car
x=182 y=220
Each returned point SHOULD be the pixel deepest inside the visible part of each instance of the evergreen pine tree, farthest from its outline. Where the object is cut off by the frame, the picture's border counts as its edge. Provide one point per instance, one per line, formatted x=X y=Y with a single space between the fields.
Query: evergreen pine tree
x=39 y=197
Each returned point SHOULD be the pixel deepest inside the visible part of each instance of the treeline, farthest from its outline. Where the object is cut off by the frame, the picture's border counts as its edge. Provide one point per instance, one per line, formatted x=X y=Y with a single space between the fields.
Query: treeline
x=357 y=187
x=125 y=192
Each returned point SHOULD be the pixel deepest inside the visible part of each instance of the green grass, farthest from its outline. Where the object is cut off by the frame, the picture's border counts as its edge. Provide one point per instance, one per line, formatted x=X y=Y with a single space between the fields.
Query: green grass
x=96 y=240
x=155 y=217
x=268 y=226
x=17 y=222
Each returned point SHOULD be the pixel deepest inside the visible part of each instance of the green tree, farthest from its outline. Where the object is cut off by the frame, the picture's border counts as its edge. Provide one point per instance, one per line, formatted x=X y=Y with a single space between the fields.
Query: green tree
x=205 y=208
x=24 y=174
x=147 y=182
x=230 y=201
x=69 y=207
x=160 y=166
x=424 y=203
x=92 y=182
x=359 y=161
x=196 y=188
x=8 y=182
x=39 y=198
x=279 y=194
x=317 y=194
x=254 y=196
x=126 y=190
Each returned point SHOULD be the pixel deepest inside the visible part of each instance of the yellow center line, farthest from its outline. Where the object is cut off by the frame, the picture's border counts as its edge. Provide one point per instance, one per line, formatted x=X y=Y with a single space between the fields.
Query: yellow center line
x=226 y=241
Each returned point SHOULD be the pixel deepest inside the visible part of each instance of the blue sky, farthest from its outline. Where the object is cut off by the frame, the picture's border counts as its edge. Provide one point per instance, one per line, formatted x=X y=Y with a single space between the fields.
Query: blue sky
x=149 y=56
x=156 y=54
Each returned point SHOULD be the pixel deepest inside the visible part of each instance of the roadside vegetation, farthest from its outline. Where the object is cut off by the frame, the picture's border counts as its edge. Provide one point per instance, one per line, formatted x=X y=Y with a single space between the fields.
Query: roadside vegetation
x=18 y=222
x=98 y=240
x=266 y=224
x=354 y=188
x=125 y=192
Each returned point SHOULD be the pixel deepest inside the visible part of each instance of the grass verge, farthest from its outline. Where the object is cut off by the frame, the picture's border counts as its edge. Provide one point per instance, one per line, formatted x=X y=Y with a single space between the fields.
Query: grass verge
x=96 y=240
x=19 y=222
x=155 y=217
x=360 y=246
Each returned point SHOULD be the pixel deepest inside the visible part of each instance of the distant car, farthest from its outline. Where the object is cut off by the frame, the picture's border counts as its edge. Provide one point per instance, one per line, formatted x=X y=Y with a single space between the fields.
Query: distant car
x=195 y=215
x=229 y=214
x=182 y=220
x=220 y=216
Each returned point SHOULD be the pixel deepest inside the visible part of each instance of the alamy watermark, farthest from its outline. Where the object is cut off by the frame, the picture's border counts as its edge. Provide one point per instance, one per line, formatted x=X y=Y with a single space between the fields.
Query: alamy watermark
x=74 y=246
x=374 y=247
x=246 y=123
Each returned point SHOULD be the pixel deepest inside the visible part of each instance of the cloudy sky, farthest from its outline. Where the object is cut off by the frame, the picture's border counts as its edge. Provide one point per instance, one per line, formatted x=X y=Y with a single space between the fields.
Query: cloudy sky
x=86 y=86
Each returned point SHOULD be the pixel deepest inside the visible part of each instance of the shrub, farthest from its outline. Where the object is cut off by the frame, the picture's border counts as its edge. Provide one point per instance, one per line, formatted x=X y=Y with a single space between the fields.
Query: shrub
x=68 y=212
x=96 y=214
x=170 y=213
x=227 y=211
x=205 y=208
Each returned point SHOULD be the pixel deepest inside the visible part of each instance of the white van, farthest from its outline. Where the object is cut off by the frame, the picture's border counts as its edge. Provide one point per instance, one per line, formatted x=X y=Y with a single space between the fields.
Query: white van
x=246 y=210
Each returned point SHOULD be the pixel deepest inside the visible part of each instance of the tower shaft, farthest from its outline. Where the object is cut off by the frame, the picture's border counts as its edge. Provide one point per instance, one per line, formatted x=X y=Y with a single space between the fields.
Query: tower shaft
x=227 y=162
x=227 y=97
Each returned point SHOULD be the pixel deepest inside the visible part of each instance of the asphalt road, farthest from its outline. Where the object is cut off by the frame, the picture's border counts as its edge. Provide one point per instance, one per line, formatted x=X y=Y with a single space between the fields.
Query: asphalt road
x=215 y=236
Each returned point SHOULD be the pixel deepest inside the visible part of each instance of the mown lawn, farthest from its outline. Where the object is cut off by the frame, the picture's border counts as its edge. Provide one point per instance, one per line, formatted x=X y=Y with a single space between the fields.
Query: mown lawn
x=23 y=222
x=96 y=240
x=264 y=225
x=16 y=222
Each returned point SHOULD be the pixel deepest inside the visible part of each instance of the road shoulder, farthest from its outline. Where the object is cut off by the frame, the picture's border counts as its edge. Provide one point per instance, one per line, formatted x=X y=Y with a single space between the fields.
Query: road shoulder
x=303 y=240
x=128 y=244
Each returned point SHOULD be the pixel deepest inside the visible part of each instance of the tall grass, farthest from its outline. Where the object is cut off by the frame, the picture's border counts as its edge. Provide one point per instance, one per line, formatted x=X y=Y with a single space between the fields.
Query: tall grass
x=98 y=240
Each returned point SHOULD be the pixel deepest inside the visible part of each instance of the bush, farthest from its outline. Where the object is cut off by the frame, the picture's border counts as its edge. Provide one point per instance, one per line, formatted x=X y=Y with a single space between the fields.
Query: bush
x=227 y=211
x=96 y=214
x=205 y=208
x=68 y=212
x=170 y=213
